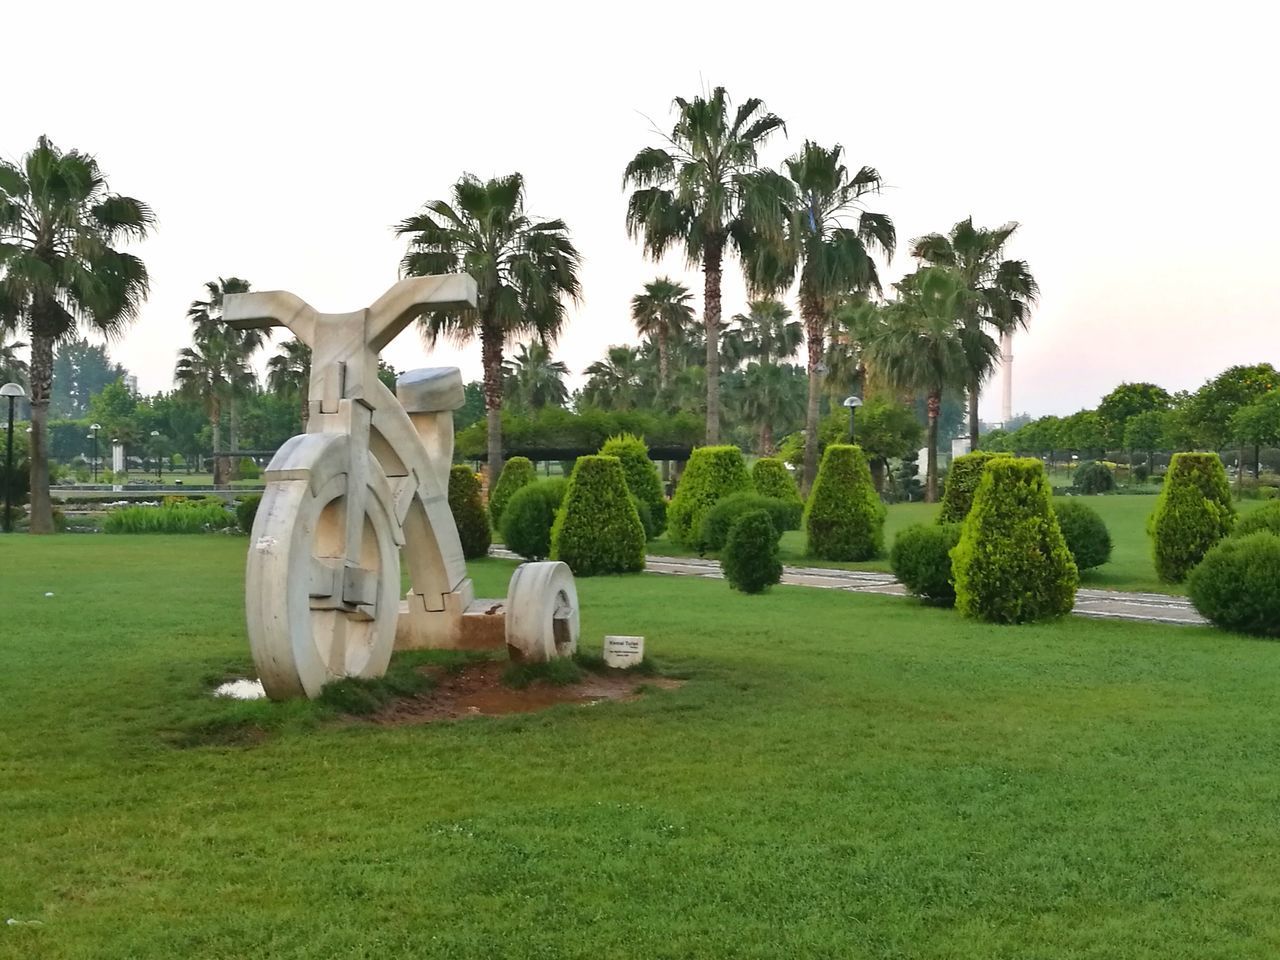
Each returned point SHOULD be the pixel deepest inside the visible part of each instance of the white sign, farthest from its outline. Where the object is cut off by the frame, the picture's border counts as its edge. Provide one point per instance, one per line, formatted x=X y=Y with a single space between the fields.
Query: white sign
x=623 y=652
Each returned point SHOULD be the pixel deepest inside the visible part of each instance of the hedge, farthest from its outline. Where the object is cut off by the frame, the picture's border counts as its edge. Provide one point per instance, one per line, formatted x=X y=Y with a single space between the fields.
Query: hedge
x=751 y=562
x=530 y=515
x=963 y=477
x=516 y=473
x=469 y=514
x=771 y=478
x=921 y=560
x=712 y=474
x=247 y=511
x=1266 y=517
x=597 y=529
x=642 y=477
x=1237 y=584
x=195 y=516
x=1193 y=512
x=1012 y=564
x=844 y=519
x=1085 y=532
x=724 y=514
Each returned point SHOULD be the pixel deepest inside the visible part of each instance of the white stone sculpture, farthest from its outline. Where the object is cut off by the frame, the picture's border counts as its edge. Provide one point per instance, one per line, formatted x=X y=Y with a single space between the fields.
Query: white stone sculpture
x=367 y=483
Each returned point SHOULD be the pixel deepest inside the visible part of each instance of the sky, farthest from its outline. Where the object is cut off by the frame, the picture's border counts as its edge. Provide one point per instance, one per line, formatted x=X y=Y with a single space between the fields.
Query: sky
x=1135 y=143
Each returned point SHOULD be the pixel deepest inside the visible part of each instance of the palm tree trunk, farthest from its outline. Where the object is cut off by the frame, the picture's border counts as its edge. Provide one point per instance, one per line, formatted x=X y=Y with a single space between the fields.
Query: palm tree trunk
x=712 y=259
x=233 y=466
x=305 y=400
x=662 y=358
x=811 y=313
x=974 y=388
x=215 y=435
x=41 y=374
x=491 y=352
x=766 y=439
x=931 y=472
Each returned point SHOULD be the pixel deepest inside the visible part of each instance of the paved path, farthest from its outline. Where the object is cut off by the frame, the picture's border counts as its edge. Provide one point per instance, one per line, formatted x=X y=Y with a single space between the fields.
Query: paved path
x=1100 y=604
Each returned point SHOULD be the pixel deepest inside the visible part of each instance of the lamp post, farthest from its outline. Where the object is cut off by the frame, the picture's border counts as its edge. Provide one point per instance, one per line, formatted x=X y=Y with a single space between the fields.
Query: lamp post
x=123 y=462
x=13 y=391
x=853 y=403
x=93 y=433
x=155 y=450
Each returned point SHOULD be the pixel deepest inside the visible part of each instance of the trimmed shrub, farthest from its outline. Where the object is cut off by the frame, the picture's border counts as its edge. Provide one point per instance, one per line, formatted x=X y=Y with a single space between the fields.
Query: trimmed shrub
x=771 y=478
x=962 y=480
x=750 y=561
x=721 y=517
x=1266 y=517
x=246 y=511
x=844 y=519
x=530 y=515
x=468 y=512
x=921 y=559
x=642 y=478
x=516 y=473
x=1012 y=564
x=712 y=474
x=1193 y=512
x=1237 y=584
x=646 y=517
x=195 y=516
x=597 y=529
x=1087 y=536
x=1092 y=477
x=249 y=469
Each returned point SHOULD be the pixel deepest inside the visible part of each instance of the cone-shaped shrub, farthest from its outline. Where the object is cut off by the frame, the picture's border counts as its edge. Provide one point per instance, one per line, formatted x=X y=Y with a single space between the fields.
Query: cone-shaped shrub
x=711 y=474
x=529 y=516
x=1085 y=532
x=1193 y=512
x=771 y=479
x=921 y=559
x=962 y=480
x=642 y=477
x=597 y=529
x=516 y=473
x=844 y=519
x=1237 y=584
x=468 y=512
x=750 y=561
x=1012 y=564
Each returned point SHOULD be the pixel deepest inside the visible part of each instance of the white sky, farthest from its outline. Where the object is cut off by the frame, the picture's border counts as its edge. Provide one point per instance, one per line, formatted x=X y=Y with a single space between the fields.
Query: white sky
x=279 y=142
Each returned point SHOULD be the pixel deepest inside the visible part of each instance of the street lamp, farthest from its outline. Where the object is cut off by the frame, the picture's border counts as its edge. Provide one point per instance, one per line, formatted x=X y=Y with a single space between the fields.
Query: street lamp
x=853 y=403
x=114 y=441
x=93 y=433
x=13 y=391
x=155 y=449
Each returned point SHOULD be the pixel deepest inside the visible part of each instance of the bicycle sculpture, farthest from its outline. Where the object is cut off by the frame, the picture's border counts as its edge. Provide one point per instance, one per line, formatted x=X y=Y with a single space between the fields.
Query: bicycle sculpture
x=368 y=480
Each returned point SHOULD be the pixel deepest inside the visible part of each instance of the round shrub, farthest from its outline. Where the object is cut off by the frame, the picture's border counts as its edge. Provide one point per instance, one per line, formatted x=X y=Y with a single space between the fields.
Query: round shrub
x=772 y=479
x=1012 y=564
x=597 y=529
x=711 y=474
x=1193 y=512
x=642 y=478
x=468 y=512
x=921 y=559
x=516 y=473
x=1087 y=536
x=750 y=561
x=1266 y=517
x=530 y=515
x=721 y=517
x=246 y=511
x=1237 y=584
x=962 y=481
x=1093 y=477
x=844 y=519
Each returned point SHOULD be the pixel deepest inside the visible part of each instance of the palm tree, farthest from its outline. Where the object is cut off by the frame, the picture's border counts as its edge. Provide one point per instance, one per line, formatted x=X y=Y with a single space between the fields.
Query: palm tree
x=1003 y=291
x=765 y=333
x=204 y=371
x=615 y=382
x=238 y=348
x=59 y=268
x=534 y=379
x=289 y=374
x=691 y=193
x=817 y=229
x=662 y=313
x=12 y=367
x=916 y=344
x=524 y=270
x=769 y=396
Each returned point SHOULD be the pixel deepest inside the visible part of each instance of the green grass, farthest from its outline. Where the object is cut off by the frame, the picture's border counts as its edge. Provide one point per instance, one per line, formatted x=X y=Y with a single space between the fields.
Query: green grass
x=842 y=776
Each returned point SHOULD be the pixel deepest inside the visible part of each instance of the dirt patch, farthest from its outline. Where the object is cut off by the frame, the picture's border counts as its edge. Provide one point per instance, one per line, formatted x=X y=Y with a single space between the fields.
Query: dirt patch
x=476 y=689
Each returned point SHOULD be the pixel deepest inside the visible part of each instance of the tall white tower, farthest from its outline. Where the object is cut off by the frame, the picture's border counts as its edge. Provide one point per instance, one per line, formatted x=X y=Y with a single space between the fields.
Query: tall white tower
x=1006 y=359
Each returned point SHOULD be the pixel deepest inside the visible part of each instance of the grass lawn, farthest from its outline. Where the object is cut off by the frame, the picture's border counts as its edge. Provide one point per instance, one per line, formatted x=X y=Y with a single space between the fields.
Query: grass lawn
x=1131 y=566
x=842 y=776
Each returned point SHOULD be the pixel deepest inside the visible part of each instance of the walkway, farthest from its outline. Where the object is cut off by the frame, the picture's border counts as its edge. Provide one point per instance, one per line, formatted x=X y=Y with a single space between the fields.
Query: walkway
x=1100 y=604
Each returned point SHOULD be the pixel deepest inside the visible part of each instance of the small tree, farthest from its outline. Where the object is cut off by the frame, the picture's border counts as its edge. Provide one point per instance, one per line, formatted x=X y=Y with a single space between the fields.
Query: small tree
x=597 y=529
x=1193 y=512
x=844 y=519
x=530 y=515
x=1012 y=564
x=712 y=474
x=770 y=478
x=516 y=473
x=962 y=480
x=750 y=562
x=468 y=512
x=641 y=475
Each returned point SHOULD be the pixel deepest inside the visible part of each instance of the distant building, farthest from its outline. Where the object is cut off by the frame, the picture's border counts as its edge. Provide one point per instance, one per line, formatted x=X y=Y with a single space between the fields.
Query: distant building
x=131 y=383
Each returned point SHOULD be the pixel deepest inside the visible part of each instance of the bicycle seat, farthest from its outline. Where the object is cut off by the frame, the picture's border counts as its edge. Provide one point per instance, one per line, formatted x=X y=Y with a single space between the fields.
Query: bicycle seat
x=430 y=389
